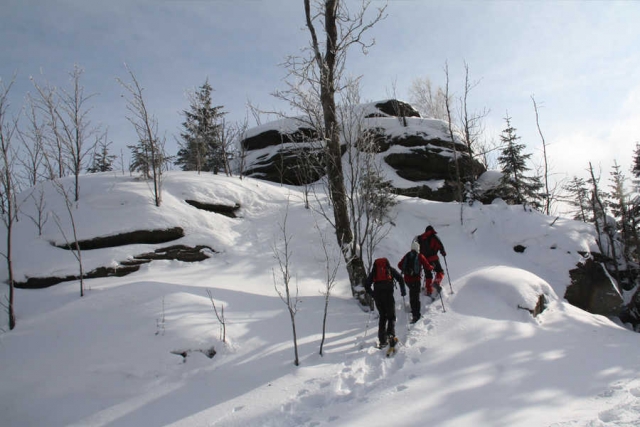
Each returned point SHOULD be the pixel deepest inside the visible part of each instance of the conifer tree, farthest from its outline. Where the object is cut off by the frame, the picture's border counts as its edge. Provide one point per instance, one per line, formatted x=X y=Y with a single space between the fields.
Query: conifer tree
x=516 y=187
x=201 y=145
x=579 y=199
x=635 y=168
x=619 y=207
x=102 y=160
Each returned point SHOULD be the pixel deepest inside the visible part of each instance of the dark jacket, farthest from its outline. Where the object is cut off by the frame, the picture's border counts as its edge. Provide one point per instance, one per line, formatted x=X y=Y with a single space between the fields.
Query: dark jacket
x=430 y=244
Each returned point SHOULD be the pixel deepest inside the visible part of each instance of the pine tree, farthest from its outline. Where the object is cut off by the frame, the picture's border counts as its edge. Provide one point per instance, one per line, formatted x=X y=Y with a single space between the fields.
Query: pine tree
x=102 y=160
x=201 y=148
x=515 y=186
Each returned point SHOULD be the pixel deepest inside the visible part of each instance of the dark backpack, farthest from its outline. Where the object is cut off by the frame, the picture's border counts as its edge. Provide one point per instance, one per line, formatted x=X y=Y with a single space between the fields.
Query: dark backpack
x=382 y=273
x=411 y=264
x=425 y=246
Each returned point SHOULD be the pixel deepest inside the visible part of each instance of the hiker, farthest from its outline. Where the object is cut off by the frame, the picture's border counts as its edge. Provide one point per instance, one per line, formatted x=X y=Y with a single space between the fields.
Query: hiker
x=382 y=276
x=410 y=266
x=430 y=245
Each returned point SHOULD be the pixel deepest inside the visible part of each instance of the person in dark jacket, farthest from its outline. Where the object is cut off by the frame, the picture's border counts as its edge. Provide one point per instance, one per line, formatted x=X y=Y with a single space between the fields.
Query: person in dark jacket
x=430 y=245
x=381 y=277
x=410 y=265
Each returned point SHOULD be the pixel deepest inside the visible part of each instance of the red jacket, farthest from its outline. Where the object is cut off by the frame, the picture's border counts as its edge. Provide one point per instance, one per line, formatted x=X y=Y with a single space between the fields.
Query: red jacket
x=423 y=262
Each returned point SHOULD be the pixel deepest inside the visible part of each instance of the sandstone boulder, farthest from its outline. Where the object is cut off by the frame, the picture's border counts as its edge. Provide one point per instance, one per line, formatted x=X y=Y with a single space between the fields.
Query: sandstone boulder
x=418 y=151
x=592 y=289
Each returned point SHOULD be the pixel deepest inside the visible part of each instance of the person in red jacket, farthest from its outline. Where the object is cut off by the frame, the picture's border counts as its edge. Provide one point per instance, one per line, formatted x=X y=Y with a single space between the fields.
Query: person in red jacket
x=410 y=265
x=382 y=277
x=430 y=245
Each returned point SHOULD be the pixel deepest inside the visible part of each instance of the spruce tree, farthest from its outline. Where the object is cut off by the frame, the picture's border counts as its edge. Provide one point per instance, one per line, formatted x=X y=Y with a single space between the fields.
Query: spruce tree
x=634 y=203
x=102 y=160
x=578 y=194
x=619 y=206
x=516 y=187
x=635 y=168
x=201 y=145
x=141 y=159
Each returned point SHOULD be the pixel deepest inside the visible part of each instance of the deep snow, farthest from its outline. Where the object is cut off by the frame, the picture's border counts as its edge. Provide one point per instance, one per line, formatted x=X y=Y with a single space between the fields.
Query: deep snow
x=107 y=359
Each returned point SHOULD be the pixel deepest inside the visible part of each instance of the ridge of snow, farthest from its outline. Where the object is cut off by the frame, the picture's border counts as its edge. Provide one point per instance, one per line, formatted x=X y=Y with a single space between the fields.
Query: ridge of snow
x=109 y=358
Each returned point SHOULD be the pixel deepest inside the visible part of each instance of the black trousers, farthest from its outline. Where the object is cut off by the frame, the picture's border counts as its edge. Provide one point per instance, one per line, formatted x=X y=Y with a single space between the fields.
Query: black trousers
x=414 y=297
x=437 y=267
x=386 y=305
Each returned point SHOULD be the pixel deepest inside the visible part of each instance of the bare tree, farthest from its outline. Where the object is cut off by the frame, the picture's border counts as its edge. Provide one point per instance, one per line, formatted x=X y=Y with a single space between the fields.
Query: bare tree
x=33 y=138
x=8 y=202
x=77 y=130
x=231 y=133
x=331 y=265
x=323 y=70
x=219 y=316
x=48 y=104
x=42 y=215
x=72 y=244
x=453 y=143
x=601 y=221
x=146 y=127
x=69 y=125
x=370 y=198
x=430 y=102
x=472 y=129
x=283 y=285
x=547 y=200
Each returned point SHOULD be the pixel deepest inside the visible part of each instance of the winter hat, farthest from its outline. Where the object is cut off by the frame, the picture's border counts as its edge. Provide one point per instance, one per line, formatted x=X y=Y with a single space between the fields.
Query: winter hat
x=429 y=228
x=415 y=246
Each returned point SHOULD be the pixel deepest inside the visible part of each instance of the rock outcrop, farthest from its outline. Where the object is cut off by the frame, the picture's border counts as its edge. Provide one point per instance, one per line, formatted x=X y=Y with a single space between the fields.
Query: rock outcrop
x=592 y=289
x=419 y=151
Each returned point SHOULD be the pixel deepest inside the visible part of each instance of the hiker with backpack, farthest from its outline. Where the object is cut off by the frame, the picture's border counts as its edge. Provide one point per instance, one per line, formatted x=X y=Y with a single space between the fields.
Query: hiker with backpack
x=381 y=277
x=430 y=245
x=410 y=265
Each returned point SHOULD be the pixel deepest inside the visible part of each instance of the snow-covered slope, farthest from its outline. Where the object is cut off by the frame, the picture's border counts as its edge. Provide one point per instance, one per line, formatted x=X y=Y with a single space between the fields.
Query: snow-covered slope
x=108 y=359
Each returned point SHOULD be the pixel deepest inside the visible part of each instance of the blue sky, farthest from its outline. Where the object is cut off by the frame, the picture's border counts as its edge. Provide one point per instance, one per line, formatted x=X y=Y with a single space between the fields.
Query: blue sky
x=579 y=59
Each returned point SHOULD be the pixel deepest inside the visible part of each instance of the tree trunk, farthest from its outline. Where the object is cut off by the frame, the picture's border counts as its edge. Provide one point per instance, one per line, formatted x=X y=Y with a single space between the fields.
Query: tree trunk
x=327 y=65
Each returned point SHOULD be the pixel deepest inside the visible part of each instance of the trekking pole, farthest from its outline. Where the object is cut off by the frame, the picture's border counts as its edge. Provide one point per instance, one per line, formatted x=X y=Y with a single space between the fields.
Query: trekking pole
x=442 y=301
x=448 y=275
x=406 y=313
x=366 y=328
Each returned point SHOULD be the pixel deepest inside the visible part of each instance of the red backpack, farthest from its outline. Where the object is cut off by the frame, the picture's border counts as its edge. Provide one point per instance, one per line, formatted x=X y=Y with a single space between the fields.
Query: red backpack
x=382 y=273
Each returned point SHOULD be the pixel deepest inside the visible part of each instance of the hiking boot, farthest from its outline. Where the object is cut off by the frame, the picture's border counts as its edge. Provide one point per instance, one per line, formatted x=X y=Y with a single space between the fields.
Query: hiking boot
x=382 y=344
x=416 y=318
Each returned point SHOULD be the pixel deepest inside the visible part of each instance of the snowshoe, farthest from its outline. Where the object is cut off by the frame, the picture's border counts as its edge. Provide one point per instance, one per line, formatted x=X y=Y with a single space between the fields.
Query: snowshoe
x=392 y=346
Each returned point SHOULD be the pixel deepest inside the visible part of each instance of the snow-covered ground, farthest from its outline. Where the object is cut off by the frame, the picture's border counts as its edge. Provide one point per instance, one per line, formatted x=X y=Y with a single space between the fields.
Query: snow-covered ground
x=108 y=358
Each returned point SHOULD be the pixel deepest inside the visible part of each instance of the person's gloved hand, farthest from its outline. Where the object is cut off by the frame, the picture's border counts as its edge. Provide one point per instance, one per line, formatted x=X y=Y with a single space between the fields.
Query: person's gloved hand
x=444 y=253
